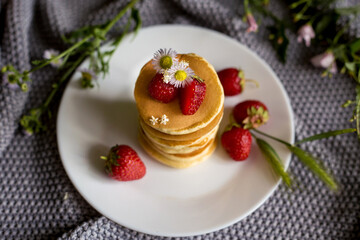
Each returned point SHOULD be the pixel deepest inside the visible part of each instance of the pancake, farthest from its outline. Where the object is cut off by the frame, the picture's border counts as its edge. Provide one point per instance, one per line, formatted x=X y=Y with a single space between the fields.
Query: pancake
x=182 y=149
x=180 y=124
x=185 y=137
x=181 y=144
x=177 y=162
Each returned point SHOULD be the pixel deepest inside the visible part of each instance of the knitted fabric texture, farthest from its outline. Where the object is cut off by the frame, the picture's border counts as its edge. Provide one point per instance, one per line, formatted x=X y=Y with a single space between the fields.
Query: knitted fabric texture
x=37 y=199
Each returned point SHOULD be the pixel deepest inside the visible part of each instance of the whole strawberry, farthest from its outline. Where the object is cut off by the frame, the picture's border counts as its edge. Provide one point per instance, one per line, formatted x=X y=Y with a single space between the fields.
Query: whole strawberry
x=232 y=80
x=237 y=142
x=191 y=96
x=251 y=114
x=123 y=164
x=161 y=91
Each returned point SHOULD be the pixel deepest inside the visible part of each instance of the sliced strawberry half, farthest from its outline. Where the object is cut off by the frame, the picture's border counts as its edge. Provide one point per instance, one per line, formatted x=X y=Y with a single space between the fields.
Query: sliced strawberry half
x=192 y=96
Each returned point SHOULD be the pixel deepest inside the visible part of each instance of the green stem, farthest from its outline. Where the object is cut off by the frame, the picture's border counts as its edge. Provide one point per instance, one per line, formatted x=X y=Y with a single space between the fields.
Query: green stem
x=69 y=50
x=119 y=15
x=62 y=80
x=296 y=4
x=358 y=118
x=326 y=135
x=274 y=138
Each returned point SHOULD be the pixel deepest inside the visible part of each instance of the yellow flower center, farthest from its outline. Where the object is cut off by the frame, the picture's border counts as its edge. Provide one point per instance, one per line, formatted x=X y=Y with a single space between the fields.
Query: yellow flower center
x=180 y=75
x=166 y=62
x=86 y=75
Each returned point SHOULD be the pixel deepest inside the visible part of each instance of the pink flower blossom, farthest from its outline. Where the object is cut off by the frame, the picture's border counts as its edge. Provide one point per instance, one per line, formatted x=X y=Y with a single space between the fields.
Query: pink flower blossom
x=252 y=23
x=325 y=60
x=306 y=33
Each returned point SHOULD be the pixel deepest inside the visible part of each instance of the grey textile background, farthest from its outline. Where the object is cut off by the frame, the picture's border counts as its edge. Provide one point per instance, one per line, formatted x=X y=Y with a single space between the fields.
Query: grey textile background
x=33 y=183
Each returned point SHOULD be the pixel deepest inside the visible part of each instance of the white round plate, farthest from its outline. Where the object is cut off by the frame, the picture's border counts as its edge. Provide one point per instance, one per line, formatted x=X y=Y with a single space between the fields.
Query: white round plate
x=167 y=201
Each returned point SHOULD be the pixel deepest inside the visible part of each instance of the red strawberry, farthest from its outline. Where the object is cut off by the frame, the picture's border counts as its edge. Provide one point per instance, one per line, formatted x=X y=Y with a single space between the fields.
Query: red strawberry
x=123 y=164
x=232 y=80
x=251 y=114
x=237 y=142
x=161 y=91
x=191 y=96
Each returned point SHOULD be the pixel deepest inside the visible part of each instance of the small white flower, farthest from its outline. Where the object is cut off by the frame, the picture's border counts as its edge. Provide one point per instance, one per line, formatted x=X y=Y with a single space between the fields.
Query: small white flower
x=153 y=120
x=51 y=53
x=164 y=59
x=166 y=77
x=164 y=119
x=180 y=74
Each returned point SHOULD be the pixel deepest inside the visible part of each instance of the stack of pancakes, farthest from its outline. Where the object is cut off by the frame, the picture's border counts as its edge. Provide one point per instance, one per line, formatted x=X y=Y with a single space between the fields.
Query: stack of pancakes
x=184 y=140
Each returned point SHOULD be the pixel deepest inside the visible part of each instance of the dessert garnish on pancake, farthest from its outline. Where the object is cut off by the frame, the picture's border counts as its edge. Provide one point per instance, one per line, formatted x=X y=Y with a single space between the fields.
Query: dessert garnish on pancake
x=175 y=76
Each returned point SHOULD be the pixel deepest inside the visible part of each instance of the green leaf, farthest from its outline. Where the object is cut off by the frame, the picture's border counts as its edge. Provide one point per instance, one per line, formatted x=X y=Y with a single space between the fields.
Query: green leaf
x=348 y=10
x=323 y=23
x=312 y=163
x=135 y=15
x=351 y=66
x=273 y=158
x=324 y=27
x=326 y=135
x=354 y=46
x=340 y=52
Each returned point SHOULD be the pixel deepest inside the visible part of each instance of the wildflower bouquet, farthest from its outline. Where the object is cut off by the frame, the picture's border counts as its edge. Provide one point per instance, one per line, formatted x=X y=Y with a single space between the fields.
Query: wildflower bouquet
x=318 y=23
x=84 y=43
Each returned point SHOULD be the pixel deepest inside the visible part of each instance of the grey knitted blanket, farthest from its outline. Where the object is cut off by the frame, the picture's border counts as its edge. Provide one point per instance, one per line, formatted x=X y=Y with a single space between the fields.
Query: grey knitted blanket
x=33 y=183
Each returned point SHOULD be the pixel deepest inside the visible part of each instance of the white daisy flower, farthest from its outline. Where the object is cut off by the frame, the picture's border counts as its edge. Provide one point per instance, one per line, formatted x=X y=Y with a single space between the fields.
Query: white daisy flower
x=180 y=74
x=164 y=59
x=51 y=53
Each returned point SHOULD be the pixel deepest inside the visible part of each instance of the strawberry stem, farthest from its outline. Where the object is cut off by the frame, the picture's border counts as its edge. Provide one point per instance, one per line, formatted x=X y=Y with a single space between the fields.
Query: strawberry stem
x=103 y=158
x=253 y=81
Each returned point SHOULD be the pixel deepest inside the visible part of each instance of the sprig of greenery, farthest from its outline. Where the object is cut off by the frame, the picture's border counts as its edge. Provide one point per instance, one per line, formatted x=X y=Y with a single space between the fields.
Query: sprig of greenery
x=306 y=158
x=330 y=31
x=85 y=43
x=273 y=158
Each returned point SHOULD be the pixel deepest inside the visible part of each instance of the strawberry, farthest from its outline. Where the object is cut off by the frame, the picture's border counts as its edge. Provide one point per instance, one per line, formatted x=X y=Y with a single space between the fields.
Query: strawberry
x=237 y=142
x=251 y=113
x=191 y=96
x=232 y=80
x=161 y=91
x=123 y=164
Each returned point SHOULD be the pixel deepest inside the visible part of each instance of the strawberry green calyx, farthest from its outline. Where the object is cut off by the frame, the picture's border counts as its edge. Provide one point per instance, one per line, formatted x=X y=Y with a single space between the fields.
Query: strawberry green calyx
x=241 y=75
x=231 y=125
x=110 y=160
x=256 y=117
